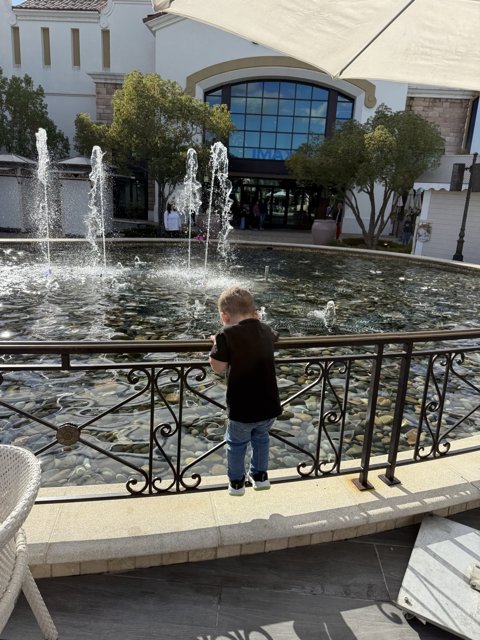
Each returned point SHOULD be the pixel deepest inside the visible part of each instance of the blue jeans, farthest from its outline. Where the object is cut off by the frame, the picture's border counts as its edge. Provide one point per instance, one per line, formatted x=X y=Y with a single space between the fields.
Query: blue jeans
x=238 y=435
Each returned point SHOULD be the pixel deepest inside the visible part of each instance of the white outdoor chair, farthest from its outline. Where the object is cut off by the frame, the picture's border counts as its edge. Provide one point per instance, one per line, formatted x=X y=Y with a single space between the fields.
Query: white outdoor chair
x=19 y=484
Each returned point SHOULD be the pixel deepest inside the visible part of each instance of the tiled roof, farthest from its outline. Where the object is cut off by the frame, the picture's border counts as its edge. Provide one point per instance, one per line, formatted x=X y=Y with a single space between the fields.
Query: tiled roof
x=63 y=5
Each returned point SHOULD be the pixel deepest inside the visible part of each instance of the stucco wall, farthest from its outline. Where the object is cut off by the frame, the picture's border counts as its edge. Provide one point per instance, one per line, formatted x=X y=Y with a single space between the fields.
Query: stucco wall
x=74 y=200
x=6 y=18
x=10 y=203
x=69 y=90
x=444 y=210
x=198 y=46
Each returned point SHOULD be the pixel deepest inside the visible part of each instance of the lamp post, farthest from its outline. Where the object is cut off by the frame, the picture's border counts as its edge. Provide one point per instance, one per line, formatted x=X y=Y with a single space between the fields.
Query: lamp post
x=458 y=253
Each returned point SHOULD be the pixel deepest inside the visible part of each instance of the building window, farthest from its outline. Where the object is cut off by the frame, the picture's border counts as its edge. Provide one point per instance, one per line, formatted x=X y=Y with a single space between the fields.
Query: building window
x=76 y=48
x=106 y=48
x=274 y=117
x=344 y=110
x=47 y=60
x=17 y=57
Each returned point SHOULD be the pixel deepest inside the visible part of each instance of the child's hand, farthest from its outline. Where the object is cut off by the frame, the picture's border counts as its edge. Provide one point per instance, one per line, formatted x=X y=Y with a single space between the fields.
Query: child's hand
x=212 y=338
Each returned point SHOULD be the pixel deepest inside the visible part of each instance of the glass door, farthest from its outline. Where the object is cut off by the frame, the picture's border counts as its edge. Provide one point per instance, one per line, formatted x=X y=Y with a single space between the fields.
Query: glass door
x=282 y=203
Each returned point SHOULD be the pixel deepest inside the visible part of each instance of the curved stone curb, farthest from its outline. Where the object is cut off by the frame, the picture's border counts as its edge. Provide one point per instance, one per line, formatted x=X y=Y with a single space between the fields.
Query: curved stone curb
x=118 y=535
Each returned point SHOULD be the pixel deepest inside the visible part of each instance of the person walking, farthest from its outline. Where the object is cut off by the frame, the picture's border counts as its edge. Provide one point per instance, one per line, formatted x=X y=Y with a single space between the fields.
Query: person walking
x=172 y=221
x=263 y=214
x=256 y=215
x=407 y=230
x=244 y=347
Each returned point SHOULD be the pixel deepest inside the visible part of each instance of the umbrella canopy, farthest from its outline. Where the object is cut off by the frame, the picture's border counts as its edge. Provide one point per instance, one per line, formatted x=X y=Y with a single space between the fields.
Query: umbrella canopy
x=434 y=42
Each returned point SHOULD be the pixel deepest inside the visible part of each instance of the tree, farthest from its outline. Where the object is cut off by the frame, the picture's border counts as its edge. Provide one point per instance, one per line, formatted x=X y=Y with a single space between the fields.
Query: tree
x=22 y=112
x=88 y=134
x=155 y=122
x=383 y=156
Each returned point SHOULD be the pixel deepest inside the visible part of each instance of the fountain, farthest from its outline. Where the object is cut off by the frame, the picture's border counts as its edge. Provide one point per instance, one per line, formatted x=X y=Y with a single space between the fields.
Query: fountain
x=191 y=198
x=95 y=220
x=145 y=298
x=327 y=315
x=219 y=202
x=42 y=219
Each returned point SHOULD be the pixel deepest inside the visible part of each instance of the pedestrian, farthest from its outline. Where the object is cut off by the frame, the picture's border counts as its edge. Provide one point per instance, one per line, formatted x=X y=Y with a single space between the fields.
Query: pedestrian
x=338 y=216
x=256 y=215
x=244 y=348
x=407 y=230
x=263 y=213
x=172 y=221
x=244 y=215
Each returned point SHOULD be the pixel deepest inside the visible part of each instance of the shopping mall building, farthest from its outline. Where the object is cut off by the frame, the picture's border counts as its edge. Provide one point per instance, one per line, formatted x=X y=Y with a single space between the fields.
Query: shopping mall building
x=80 y=50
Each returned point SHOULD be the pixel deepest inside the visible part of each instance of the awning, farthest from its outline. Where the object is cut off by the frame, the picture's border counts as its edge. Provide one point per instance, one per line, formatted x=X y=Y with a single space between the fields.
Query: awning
x=432 y=42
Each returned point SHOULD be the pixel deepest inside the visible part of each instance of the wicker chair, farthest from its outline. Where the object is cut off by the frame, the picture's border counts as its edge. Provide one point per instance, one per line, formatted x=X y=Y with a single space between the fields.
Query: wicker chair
x=19 y=484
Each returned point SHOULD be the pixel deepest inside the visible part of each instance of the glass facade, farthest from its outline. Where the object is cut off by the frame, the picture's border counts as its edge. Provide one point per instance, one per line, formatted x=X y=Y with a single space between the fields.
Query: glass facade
x=272 y=118
x=285 y=203
x=130 y=197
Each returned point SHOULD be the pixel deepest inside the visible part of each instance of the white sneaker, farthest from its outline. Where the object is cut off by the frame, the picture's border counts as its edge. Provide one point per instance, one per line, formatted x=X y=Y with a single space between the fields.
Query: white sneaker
x=236 y=487
x=260 y=481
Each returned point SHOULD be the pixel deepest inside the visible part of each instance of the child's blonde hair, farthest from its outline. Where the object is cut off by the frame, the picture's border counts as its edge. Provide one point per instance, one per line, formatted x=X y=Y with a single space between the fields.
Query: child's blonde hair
x=237 y=301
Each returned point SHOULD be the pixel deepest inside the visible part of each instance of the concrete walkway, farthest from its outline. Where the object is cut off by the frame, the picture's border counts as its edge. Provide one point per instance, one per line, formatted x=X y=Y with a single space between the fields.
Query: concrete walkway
x=335 y=591
x=308 y=560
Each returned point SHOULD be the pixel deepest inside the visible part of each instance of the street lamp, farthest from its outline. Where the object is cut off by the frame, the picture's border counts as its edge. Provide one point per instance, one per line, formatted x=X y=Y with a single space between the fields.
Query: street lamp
x=458 y=253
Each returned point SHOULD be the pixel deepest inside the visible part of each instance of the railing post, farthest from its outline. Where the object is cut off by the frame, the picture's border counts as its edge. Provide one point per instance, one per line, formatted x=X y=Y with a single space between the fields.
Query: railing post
x=152 y=429
x=178 y=466
x=362 y=482
x=389 y=476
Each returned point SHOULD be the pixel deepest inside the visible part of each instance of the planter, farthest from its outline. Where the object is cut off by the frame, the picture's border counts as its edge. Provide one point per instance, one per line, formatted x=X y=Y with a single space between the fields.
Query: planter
x=324 y=231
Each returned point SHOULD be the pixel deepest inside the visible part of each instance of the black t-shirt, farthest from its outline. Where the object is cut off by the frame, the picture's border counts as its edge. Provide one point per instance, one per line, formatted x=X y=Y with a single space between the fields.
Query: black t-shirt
x=248 y=348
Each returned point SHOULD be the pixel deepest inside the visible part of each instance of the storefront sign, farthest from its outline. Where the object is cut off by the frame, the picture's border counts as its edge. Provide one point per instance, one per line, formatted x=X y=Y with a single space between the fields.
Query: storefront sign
x=270 y=154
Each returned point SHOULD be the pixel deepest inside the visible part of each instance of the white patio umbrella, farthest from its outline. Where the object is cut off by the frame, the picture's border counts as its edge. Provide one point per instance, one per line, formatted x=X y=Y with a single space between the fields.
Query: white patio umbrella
x=435 y=42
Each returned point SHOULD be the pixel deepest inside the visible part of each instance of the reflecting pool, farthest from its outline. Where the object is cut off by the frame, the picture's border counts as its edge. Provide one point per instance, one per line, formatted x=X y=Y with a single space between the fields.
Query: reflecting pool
x=147 y=292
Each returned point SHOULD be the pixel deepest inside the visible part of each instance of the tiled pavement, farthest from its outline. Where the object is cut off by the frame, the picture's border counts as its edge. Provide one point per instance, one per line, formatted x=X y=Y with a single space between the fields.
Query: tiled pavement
x=334 y=591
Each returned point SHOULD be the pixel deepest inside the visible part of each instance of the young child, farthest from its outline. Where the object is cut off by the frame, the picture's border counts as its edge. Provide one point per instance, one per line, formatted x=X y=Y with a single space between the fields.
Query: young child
x=245 y=348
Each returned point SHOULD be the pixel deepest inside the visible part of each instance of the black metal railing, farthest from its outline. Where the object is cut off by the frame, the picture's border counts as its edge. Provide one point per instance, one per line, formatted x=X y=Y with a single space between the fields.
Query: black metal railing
x=143 y=420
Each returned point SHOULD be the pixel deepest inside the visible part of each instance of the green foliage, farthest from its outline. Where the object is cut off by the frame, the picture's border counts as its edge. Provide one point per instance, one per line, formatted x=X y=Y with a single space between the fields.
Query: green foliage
x=385 y=155
x=88 y=134
x=22 y=112
x=154 y=123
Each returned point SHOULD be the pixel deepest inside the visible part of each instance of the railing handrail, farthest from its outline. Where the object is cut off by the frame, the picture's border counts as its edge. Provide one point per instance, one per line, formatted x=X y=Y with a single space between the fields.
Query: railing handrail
x=439 y=359
x=187 y=346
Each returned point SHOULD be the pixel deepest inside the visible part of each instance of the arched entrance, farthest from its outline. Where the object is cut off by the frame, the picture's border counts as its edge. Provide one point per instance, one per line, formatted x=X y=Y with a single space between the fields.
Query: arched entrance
x=273 y=118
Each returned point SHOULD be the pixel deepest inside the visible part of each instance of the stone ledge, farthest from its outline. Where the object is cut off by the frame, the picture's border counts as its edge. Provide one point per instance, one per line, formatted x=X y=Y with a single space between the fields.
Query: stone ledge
x=95 y=537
